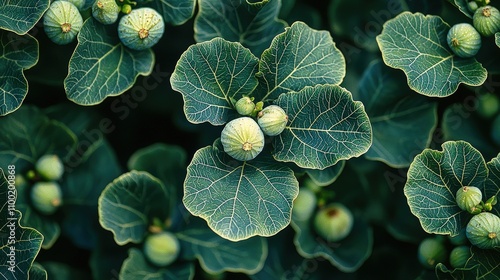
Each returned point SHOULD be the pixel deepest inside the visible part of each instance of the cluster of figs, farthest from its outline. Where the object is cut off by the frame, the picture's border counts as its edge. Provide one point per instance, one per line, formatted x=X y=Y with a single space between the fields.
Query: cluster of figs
x=243 y=138
x=464 y=39
x=138 y=28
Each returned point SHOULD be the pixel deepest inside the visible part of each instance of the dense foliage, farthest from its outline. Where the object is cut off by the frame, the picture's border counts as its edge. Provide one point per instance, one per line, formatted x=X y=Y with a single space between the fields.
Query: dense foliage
x=238 y=139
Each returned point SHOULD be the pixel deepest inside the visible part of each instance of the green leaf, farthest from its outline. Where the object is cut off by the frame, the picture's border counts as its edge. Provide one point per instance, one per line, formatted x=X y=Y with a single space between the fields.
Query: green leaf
x=300 y=57
x=497 y=39
x=492 y=184
x=216 y=254
x=209 y=75
x=31 y=135
x=19 y=245
x=417 y=45
x=463 y=6
x=175 y=12
x=17 y=54
x=128 y=205
x=239 y=199
x=459 y=122
x=101 y=66
x=483 y=264
x=324 y=126
x=402 y=121
x=433 y=180
x=81 y=191
x=37 y=272
x=326 y=176
x=136 y=267
x=21 y=15
x=347 y=255
x=165 y=162
x=252 y=23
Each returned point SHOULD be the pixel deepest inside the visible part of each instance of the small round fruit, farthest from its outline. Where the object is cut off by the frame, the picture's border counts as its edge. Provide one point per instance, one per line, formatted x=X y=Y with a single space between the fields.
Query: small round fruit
x=333 y=222
x=245 y=106
x=126 y=9
x=62 y=22
x=459 y=256
x=488 y=105
x=272 y=120
x=486 y=20
x=46 y=197
x=483 y=230
x=49 y=167
x=431 y=251
x=304 y=205
x=495 y=130
x=162 y=248
x=141 y=29
x=464 y=40
x=472 y=5
x=468 y=197
x=105 y=11
x=242 y=139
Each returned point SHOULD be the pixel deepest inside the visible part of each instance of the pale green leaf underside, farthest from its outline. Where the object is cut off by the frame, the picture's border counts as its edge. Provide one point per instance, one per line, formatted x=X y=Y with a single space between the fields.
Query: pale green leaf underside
x=254 y=25
x=217 y=254
x=402 y=121
x=324 y=126
x=239 y=199
x=17 y=53
x=21 y=15
x=27 y=242
x=128 y=205
x=175 y=12
x=209 y=74
x=433 y=180
x=300 y=57
x=417 y=45
x=136 y=267
x=101 y=66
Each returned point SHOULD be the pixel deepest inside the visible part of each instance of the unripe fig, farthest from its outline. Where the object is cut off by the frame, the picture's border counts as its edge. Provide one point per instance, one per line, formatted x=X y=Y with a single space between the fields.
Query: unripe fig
x=464 y=40
x=468 y=198
x=459 y=256
x=162 y=249
x=272 y=120
x=46 y=197
x=472 y=5
x=141 y=29
x=105 y=11
x=431 y=251
x=333 y=222
x=245 y=106
x=49 y=167
x=304 y=205
x=486 y=20
x=126 y=9
x=62 y=22
x=488 y=105
x=495 y=130
x=483 y=230
x=242 y=139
